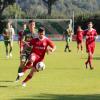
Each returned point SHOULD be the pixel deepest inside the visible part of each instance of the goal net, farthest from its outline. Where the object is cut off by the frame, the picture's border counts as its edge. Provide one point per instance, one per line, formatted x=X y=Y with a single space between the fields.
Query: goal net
x=54 y=27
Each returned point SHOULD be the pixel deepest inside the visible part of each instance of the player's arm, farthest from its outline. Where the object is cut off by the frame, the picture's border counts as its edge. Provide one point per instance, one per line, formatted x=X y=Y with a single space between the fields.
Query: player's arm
x=71 y=32
x=85 y=34
x=51 y=46
x=13 y=31
x=4 y=33
x=23 y=36
x=96 y=34
x=27 y=43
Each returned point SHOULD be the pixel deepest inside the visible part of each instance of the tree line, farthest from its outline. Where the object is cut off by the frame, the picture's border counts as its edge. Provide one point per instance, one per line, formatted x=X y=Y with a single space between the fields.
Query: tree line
x=51 y=9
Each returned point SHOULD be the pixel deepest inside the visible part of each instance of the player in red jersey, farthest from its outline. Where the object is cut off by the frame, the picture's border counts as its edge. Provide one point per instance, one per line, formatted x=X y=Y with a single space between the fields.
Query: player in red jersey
x=40 y=46
x=91 y=35
x=79 y=38
x=20 y=37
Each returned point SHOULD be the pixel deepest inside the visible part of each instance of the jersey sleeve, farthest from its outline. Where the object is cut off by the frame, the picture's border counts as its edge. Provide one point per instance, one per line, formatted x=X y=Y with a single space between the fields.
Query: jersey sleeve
x=84 y=32
x=50 y=43
x=95 y=33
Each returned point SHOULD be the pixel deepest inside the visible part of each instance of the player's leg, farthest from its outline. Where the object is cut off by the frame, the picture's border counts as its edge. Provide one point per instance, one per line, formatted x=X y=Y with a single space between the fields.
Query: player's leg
x=68 y=43
x=88 y=51
x=86 y=63
x=89 y=60
x=10 y=51
x=29 y=64
x=81 y=44
x=78 y=46
x=30 y=75
x=23 y=60
x=91 y=57
x=20 y=70
x=6 y=46
x=66 y=46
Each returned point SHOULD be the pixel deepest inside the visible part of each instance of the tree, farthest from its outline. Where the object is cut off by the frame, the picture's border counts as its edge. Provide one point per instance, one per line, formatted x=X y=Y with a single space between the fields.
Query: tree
x=13 y=11
x=4 y=4
x=50 y=3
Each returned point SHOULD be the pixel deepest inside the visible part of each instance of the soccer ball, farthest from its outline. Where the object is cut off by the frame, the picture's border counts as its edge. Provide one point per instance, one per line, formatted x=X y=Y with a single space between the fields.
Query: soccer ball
x=40 y=66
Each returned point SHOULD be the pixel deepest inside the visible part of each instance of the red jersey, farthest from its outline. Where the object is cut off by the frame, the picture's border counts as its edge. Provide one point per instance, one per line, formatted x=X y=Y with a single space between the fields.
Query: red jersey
x=40 y=46
x=90 y=36
x=79 y=35
x=20 y=35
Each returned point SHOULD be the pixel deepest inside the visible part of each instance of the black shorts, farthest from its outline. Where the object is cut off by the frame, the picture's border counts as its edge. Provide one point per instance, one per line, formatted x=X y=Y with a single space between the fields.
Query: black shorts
x=6 y=42
x=24 y=56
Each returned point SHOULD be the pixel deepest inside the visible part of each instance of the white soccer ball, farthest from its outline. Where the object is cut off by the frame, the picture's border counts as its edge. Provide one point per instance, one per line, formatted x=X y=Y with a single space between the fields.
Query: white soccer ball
x=40 y=66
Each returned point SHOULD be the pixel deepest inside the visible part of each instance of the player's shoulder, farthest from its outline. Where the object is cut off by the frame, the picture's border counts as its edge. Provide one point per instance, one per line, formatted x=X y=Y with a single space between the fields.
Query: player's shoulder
x=47 y=39
x=94 y=30
x=85 y=30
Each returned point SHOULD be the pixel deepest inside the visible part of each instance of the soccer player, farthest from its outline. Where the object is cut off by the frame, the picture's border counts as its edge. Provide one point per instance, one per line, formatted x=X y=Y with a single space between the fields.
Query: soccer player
x=39 y=48
x=8 y=39
x=67 y=34
x=90 y=35
x=79 y=38
x=28 y=34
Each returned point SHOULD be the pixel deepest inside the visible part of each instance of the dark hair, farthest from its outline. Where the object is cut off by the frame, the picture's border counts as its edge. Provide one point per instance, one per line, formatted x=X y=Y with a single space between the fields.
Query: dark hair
x=30 y=21
x=41 y=29
x=90 y=22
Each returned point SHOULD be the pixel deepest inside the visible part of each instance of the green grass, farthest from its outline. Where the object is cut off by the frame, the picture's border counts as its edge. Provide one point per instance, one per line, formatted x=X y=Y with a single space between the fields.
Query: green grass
x=65 y=76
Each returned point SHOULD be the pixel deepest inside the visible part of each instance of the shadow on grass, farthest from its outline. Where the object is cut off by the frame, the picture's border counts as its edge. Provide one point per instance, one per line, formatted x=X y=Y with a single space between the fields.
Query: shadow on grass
x=61 y=97
x=3 y=86
x=94 y=58
x=6 y=81
x=2 y=82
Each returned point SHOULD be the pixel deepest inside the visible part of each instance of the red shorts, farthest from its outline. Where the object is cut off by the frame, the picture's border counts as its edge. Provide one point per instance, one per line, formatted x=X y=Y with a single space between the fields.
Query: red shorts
x=90 y=48
x=35 y=59
x=79 y=41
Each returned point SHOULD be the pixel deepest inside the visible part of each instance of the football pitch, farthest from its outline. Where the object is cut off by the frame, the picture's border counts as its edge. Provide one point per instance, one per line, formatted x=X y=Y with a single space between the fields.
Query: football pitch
x=65 y=76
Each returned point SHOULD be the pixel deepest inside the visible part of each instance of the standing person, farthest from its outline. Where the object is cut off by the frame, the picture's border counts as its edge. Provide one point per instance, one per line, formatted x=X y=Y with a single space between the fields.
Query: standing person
x=28 y=34
x=67 y=34
x=90 y=35
x=79 y=38
x=8 y=39
x=39 y=48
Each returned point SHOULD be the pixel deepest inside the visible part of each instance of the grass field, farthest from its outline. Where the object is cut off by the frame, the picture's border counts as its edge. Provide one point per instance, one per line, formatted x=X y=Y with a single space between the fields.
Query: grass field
x=65 y=76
